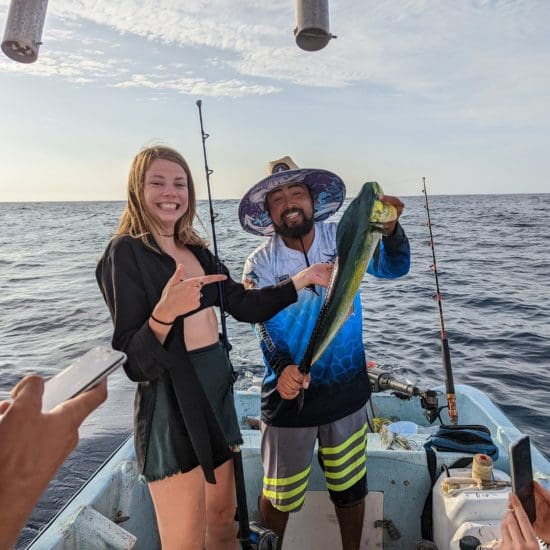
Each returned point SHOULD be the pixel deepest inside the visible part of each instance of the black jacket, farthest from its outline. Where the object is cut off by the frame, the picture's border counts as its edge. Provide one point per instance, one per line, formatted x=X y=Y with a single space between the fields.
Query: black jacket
x=131 y=277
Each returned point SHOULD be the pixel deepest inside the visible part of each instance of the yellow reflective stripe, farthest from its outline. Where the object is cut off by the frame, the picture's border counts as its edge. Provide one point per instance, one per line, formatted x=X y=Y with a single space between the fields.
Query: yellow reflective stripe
x=285 y=495
x=287 y=480
x=346 y=471
x=289 y=507
x=335 y=450
x=349 y=483
x=360 y=447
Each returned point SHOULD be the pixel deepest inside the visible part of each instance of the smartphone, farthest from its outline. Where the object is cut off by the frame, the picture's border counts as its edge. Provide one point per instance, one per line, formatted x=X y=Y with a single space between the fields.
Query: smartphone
x=522 y=475
x=86 y=372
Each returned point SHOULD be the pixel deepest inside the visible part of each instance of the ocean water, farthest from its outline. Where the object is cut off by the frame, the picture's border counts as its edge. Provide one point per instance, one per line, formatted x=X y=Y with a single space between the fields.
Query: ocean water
x=493 y=256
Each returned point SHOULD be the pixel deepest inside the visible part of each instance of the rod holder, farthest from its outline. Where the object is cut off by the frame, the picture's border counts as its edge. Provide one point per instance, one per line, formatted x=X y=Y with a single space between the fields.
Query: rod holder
x=312 y=25
x=23 y=31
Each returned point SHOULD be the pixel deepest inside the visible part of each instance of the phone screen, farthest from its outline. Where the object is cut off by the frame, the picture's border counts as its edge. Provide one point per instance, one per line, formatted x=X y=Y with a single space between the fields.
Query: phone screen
x=522 y=475
x=84 y=373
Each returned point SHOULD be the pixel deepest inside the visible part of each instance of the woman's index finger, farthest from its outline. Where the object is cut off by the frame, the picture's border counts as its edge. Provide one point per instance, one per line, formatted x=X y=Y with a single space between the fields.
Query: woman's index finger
x=209 y=279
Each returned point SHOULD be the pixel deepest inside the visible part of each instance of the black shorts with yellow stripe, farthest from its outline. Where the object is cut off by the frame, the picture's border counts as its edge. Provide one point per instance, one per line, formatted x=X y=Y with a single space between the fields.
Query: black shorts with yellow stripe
x=287 y=454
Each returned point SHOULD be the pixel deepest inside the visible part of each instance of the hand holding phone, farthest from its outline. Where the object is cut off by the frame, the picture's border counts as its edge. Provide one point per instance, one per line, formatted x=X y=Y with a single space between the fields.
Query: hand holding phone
x=522 y=475
x=33 y=446
x=84 y=373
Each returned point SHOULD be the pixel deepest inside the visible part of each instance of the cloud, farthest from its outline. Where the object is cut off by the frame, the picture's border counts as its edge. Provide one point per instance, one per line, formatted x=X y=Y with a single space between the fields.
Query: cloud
x=196 y=86
x=75 y=68
x=217 y=24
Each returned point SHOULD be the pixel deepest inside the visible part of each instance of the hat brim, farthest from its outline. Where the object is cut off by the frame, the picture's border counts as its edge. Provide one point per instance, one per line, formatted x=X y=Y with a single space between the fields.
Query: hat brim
x=327 y=189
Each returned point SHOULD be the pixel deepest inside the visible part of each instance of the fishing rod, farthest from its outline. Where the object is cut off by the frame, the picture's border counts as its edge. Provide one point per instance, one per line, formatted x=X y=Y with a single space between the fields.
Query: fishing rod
x=445 y=353
x=209 y=172
x=252 y=536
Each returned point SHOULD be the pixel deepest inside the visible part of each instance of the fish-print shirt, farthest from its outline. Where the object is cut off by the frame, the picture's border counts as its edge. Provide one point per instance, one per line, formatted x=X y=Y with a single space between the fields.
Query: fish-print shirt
x=339 y=381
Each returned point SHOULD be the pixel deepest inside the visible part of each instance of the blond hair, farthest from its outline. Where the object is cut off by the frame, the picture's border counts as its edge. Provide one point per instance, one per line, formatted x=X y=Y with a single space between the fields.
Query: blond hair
x=136 y=221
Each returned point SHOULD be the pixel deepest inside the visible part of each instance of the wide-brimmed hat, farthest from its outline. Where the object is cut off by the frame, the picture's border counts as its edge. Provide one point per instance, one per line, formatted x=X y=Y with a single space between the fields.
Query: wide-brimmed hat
x=327 y=189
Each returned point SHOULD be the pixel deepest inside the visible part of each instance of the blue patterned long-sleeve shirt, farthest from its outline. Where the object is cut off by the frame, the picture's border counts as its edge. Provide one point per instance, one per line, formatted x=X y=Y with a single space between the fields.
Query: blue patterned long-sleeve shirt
x=339 y=381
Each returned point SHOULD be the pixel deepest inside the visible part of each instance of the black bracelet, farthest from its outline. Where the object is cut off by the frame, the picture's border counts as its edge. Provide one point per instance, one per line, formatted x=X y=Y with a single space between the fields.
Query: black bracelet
x=161 y=322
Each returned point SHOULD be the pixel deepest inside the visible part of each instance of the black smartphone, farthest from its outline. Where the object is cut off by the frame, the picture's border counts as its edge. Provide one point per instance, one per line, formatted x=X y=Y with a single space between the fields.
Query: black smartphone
x=522 y=475
x=83 y=374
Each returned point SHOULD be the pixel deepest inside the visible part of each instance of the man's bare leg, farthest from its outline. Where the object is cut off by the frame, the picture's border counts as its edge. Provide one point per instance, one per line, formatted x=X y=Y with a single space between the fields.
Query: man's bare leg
x=350 y=521
x=273 y=519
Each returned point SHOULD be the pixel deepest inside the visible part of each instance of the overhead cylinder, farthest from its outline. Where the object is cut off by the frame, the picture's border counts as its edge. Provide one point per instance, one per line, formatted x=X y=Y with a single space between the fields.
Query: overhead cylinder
x=23 y=32
x=312 y=25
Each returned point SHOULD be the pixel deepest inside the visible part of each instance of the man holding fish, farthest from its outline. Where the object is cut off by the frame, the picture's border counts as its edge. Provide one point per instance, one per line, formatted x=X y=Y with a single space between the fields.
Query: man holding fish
x=289 y=206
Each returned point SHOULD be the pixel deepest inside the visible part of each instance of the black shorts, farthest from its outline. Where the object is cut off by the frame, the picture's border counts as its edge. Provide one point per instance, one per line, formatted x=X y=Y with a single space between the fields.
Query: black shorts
x=216 y=377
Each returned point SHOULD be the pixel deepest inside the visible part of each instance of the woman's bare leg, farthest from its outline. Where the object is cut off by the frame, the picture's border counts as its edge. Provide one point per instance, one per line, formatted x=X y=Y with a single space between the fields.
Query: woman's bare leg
x=181 y=511
x=221 y=530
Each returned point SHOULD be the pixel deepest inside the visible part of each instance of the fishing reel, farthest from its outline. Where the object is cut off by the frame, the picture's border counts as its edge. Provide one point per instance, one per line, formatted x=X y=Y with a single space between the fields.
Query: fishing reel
x=260 y=538
x=382 y=381
x=430 y=404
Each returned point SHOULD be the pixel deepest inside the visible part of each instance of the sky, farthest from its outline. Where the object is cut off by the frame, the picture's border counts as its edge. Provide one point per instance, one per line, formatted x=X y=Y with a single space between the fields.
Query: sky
x=455 y=91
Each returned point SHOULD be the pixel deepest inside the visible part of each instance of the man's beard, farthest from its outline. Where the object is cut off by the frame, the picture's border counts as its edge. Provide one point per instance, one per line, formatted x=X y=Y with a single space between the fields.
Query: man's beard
x=295 y=231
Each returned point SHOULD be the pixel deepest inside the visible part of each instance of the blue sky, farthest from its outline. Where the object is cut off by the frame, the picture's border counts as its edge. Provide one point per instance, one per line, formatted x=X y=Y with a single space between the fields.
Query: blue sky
x=455 y=91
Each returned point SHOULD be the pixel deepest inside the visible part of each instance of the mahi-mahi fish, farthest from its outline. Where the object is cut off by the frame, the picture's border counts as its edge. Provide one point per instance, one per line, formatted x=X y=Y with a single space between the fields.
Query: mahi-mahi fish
x=357 y=236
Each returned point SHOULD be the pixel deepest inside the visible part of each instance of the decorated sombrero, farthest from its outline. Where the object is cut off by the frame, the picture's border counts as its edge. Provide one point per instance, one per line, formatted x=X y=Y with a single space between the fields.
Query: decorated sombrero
x=327 y=189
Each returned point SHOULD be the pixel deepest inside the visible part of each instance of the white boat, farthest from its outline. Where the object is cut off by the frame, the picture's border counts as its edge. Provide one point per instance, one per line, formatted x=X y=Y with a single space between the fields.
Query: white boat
x=114 y=510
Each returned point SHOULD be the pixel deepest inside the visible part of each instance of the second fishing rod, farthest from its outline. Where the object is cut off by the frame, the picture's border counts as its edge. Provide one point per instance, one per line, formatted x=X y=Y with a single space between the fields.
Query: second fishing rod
x=445 y=352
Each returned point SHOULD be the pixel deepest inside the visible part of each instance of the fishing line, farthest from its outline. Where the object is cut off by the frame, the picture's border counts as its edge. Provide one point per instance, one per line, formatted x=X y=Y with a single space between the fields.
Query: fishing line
x=445 y=353
x=311 y=287
x=304 y=251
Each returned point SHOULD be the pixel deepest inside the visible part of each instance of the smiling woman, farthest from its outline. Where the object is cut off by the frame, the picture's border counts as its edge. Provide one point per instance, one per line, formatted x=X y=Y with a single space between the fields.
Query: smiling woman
x=156 y=277
x=161 y=197
x=165 y=193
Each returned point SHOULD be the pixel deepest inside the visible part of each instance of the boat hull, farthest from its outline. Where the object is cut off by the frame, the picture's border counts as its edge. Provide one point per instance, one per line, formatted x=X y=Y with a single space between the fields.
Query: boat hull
x=114 y=510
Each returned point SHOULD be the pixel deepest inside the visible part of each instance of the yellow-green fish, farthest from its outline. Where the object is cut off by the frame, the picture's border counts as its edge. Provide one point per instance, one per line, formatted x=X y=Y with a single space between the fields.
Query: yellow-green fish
x=357 y=237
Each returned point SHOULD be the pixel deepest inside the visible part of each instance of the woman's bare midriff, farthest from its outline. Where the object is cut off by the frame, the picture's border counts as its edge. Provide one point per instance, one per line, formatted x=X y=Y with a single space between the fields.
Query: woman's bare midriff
x=201 y=328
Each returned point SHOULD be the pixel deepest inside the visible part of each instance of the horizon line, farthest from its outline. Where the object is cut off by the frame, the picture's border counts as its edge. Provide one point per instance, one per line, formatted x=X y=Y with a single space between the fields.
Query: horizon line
x=237 y=199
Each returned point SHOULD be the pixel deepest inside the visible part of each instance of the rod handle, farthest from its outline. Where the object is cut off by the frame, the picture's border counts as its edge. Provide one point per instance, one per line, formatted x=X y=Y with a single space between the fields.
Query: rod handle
x=242 y=507
x=446 y=355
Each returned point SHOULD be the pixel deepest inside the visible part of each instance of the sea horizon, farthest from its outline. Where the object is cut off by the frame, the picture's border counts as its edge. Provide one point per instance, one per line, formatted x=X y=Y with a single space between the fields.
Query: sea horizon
x=80 y=201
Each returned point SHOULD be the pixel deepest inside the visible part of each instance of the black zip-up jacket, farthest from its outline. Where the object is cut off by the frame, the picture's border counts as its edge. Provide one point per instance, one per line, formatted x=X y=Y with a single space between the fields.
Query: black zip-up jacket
x=131 y=277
